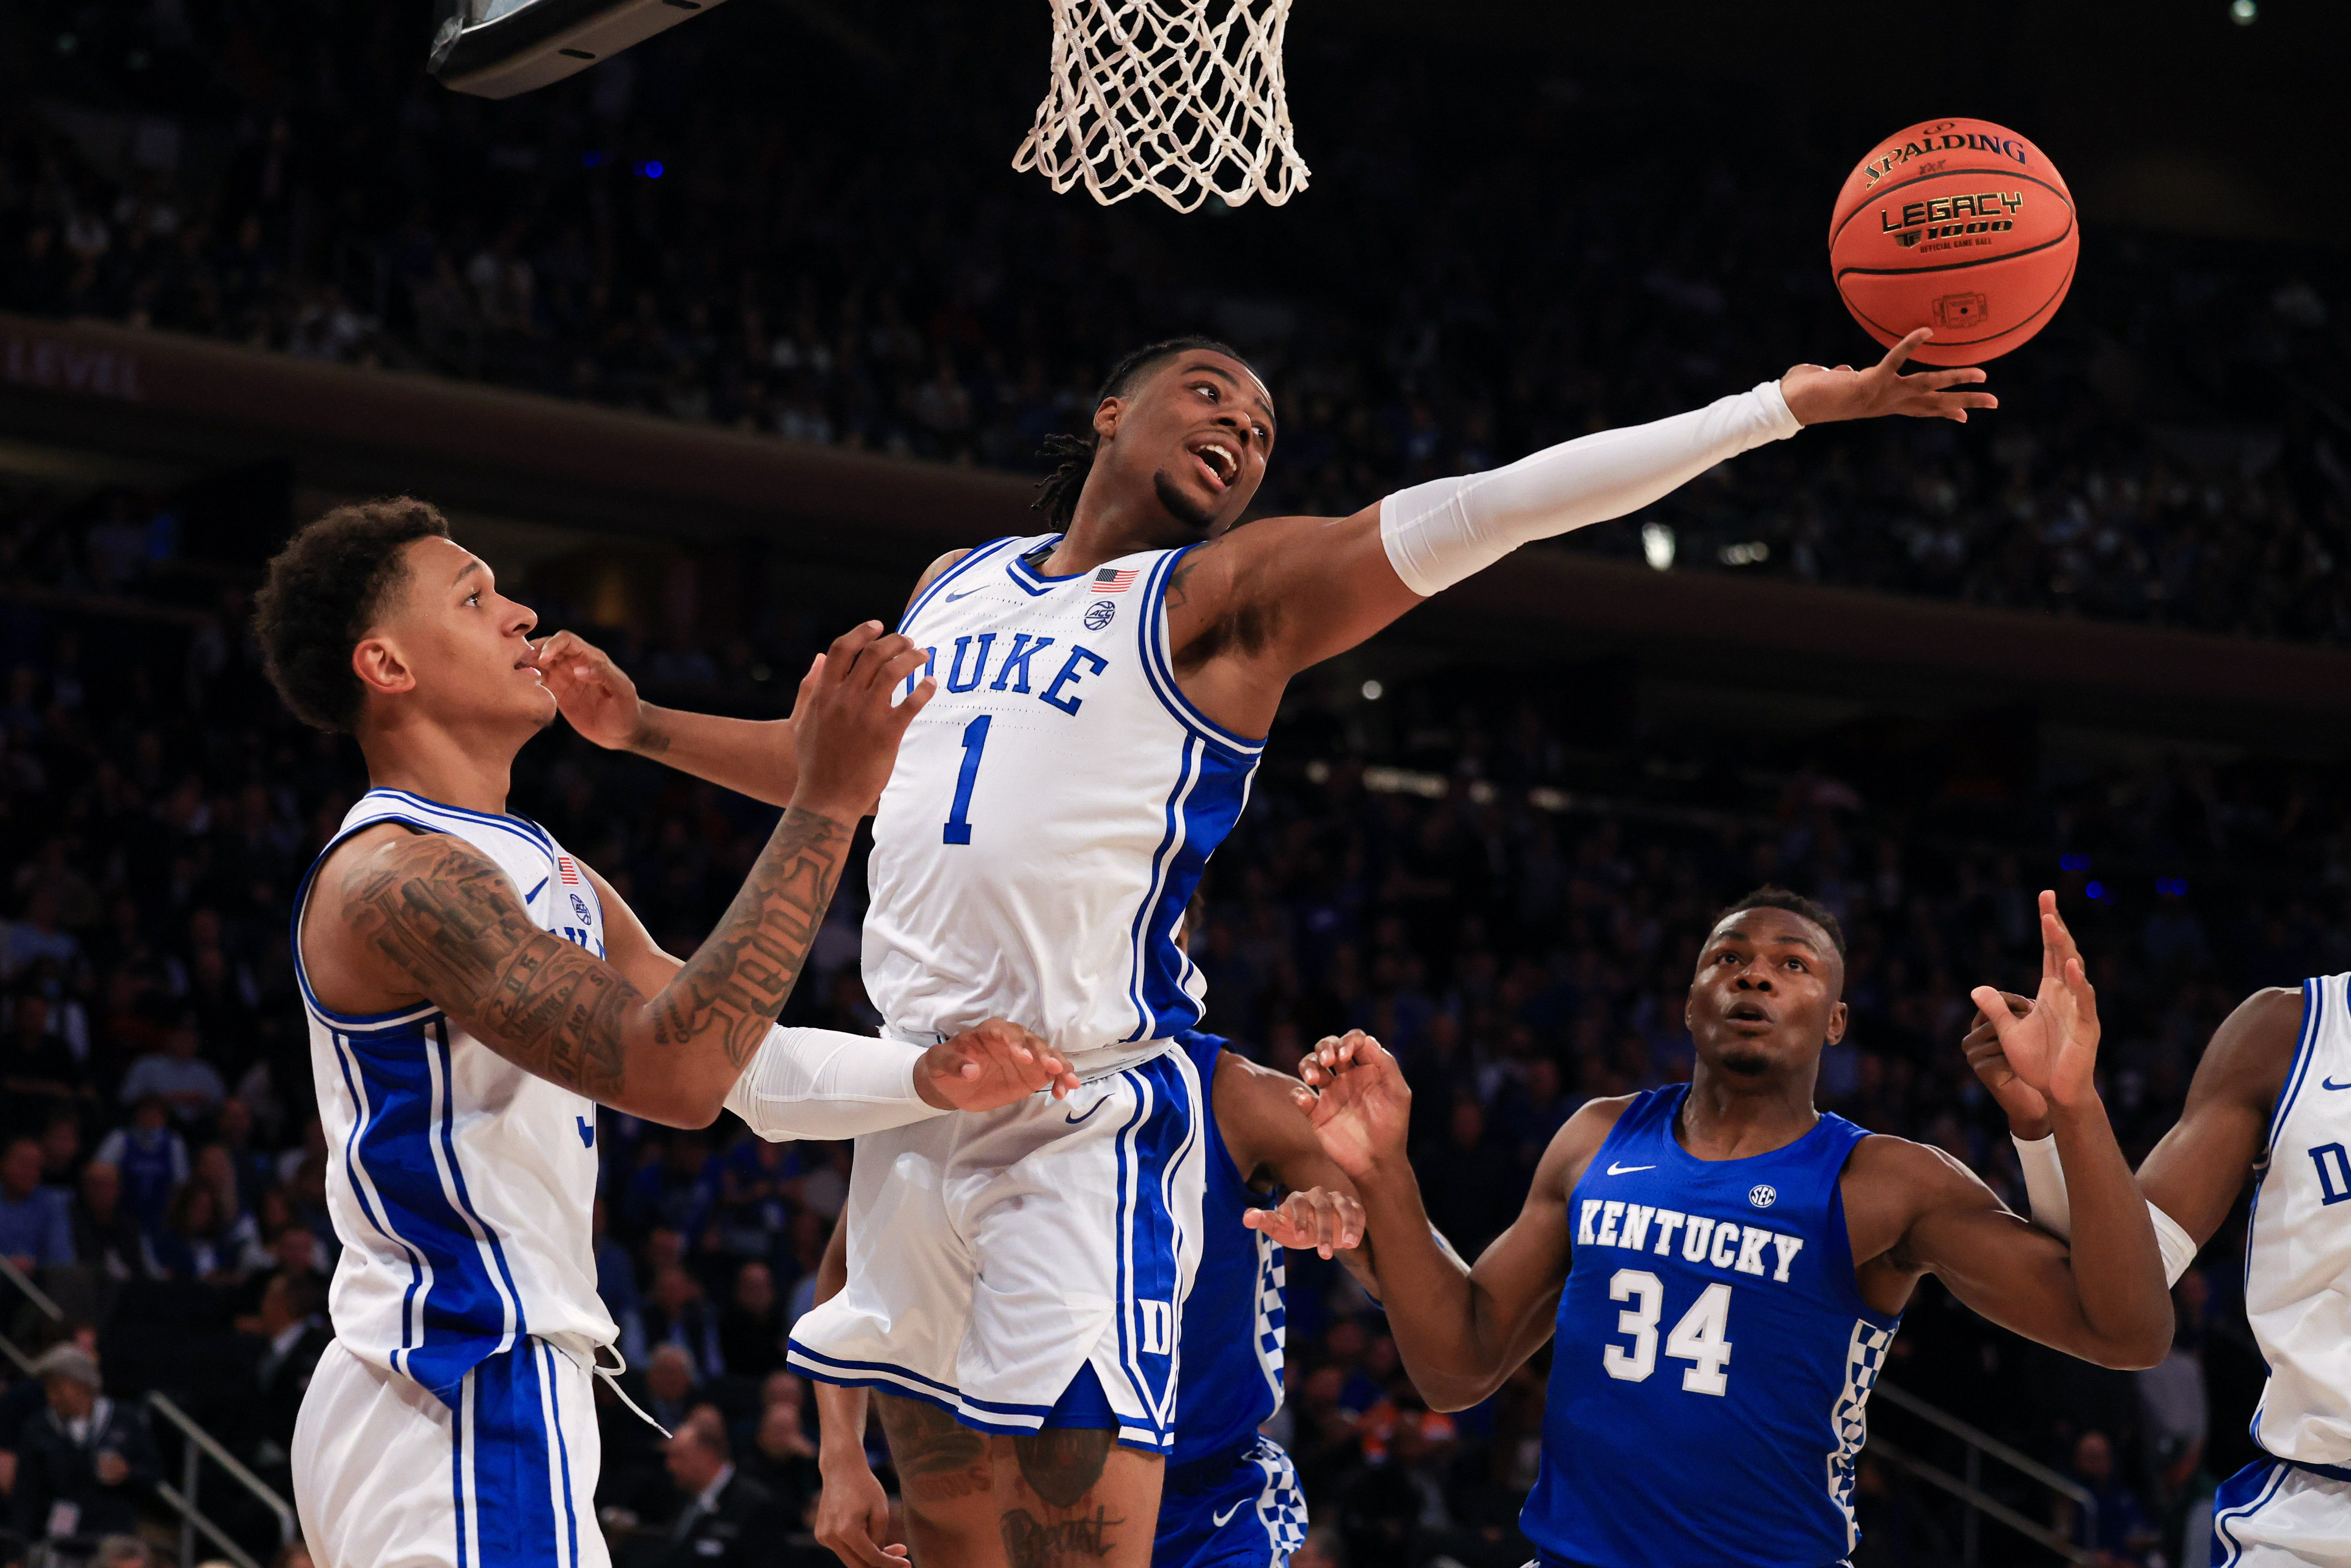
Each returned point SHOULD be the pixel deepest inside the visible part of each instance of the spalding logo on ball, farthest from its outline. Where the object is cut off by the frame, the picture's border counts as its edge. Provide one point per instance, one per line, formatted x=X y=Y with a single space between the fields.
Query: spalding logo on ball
x=1957 y=225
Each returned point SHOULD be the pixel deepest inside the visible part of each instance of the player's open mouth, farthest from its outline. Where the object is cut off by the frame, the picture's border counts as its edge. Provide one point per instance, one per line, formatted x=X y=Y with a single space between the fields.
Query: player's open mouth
x=1749 y=1012
x=1218 y=462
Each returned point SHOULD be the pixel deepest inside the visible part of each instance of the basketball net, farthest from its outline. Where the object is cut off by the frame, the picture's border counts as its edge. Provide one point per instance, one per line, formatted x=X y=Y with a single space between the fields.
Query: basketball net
x=1179 y=98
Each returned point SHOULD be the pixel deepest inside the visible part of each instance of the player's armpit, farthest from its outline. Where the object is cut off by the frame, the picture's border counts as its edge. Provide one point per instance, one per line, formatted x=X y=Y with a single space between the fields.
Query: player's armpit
x=628 y=945
x=1281 y=594
x=2195 y=1172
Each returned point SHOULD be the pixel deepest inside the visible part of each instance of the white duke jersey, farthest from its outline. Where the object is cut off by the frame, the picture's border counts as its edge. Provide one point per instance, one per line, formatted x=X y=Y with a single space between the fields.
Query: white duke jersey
x=1052 y=810
x=461 y=1187
x=2298 y=1245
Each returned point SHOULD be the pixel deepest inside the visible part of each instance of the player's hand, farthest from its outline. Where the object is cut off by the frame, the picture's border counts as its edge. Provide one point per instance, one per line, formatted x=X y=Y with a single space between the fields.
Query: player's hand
x=1359 y=1103
x=2027 y=1107
x=2054 y=1047
x=853 y=1517
x=1318 y=1218
x=995 y=1064
x=845 y=728
x=595 y=694
x=1817 y=395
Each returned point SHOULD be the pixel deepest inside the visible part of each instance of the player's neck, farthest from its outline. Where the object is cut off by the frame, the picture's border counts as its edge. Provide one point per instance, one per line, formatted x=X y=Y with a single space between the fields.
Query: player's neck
x=471 y=772
x=1106 y=531
x=1728 y=1117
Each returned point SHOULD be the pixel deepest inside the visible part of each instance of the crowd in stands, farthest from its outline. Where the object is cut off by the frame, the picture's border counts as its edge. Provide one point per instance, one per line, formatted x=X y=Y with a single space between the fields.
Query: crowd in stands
x=1475 y=867
x=1530 y=251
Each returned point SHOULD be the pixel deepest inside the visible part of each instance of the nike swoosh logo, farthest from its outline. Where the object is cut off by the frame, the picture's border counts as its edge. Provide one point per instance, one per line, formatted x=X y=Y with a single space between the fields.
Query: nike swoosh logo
x=951 y=598
x=2330 y=1083
x=1219 y=1519
x=1098 y=1104
x=1628 y=1170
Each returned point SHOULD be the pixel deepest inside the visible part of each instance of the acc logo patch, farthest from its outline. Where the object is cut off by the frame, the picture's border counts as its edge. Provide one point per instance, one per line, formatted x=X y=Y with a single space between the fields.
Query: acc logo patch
x=1762 y=1196
x=1099 y=614
x=579 y=907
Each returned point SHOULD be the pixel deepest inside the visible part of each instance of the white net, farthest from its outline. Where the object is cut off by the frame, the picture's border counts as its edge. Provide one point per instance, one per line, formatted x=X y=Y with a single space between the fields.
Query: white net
x=1179 y=98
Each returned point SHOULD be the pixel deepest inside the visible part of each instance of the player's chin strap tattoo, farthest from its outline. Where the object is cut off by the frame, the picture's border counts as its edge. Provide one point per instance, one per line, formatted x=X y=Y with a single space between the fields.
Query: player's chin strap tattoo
x=448 y=918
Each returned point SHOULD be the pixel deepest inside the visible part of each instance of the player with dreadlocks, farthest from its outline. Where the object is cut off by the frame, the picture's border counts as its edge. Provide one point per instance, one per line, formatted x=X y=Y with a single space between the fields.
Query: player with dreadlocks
x=1016 y=1280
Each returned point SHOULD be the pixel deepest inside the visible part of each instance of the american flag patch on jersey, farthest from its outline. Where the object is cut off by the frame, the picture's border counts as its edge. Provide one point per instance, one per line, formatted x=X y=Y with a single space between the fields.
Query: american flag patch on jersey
x=1111 y=580
x=566 y=871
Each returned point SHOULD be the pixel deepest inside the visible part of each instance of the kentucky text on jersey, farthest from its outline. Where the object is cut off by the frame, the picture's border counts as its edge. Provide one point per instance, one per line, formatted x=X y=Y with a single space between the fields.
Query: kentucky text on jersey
x=1712 y=1356
x=1725 y=1244
x=1052 y=809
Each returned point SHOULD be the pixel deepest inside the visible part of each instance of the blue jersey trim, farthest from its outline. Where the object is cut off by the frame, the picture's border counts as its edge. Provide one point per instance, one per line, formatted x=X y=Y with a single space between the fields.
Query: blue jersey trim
x=562 y=1453
x=522 y=828
x=483 y=1229
x=1186 y=776
x=972 y=558
x=361 y=1114
x=1043 y=583
x=1159 y=669
x=457 y=1435
x=2313 y=1007
x=2232 y=1505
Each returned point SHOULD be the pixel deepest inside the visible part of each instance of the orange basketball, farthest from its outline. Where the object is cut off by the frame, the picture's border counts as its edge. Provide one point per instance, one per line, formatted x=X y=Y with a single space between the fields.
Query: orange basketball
x=1957 y=225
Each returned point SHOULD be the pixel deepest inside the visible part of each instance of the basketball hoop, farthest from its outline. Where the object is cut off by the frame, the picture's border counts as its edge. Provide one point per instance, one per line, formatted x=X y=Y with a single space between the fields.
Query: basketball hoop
x=1179 y=98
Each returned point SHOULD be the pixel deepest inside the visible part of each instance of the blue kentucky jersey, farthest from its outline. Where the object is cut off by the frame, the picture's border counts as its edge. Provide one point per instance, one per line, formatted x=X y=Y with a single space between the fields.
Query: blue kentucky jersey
x=1712 y=1359
x=1231 y=1334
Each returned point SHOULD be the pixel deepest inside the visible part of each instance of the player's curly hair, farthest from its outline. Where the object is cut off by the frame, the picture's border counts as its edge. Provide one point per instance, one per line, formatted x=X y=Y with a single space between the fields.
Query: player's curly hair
x=323 y=590
x=1072 y=456
x=1771 y=897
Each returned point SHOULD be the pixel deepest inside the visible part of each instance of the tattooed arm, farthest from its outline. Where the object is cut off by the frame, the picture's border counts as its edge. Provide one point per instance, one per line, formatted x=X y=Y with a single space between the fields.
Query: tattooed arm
x=426 y=917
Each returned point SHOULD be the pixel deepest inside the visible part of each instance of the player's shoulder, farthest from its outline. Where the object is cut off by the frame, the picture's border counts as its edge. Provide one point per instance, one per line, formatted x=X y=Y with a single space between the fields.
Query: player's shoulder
x=385 y=854
x=2250 y=1054
x=933 y=572
x=1578 y=1139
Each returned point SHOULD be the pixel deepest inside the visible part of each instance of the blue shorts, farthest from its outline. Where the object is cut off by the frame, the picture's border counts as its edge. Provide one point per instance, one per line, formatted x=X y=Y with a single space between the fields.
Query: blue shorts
x=1250 y=1514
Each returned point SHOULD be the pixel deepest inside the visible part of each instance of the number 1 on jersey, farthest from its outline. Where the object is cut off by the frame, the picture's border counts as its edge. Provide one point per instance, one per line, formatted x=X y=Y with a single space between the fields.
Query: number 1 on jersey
x=974 y=741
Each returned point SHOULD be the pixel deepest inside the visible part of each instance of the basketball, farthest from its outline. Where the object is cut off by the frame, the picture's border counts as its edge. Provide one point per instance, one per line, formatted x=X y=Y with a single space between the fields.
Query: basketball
x=1957 y=225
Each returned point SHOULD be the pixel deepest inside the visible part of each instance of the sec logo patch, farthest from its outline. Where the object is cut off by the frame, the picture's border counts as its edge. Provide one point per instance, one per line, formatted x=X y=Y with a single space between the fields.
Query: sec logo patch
x=1099 y=614
x=1762 y=1196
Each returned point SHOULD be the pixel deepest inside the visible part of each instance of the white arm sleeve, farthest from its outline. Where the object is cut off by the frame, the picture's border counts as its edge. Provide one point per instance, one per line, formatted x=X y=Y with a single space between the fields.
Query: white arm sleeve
x=1438 y=533
x=818 y=1084
x=2045 y=1185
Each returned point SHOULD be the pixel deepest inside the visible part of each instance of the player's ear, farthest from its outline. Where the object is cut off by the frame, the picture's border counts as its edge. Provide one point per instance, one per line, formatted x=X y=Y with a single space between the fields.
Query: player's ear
x=377 y=661
x=1837 y=1018
x=1107 y=415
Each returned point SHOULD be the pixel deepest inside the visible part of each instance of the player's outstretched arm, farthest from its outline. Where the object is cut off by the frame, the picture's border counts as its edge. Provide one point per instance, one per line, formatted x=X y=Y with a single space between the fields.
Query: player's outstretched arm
x=2107 y=1301
x=1461 y=1330
x=1257 y=1111
x=750 y=757
x=1292 y=591
x=434 y=918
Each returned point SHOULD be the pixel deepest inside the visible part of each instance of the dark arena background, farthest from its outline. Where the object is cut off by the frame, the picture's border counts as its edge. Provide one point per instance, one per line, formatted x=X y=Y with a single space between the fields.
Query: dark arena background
x=709 y=349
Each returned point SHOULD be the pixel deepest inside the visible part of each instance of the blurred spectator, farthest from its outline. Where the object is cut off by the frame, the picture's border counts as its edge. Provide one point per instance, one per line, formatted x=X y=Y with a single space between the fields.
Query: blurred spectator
x=105 y=1234
x=728 y=1519
x=2121 y=1532
x=35 y=1221
x=286 y=1337
x=82 y=1463
x=151 y=1156
x=751 y=1327
x=195 y=1243
x=678 y=1317
x=184 y=1082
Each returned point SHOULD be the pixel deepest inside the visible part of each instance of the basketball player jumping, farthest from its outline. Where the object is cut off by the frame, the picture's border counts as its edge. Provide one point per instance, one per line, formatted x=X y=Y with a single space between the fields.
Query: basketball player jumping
x=475 y=993
x=2264 y=1104
x=1232 y=1498
x=1103 y=694
x=1723 y=1266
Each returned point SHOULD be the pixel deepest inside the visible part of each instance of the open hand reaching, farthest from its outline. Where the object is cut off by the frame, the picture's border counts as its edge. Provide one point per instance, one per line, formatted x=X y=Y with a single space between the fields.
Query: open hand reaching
x=2053 y=1047
x=1818 y=395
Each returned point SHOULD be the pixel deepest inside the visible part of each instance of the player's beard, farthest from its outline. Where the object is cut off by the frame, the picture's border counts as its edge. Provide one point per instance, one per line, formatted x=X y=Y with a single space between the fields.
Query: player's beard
x=1181 y=506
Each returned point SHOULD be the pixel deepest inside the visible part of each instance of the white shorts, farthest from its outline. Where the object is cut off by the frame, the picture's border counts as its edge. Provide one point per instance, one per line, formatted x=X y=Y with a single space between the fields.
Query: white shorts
x=992 y=1256
x=387 y=1476
x=2272 y=1514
